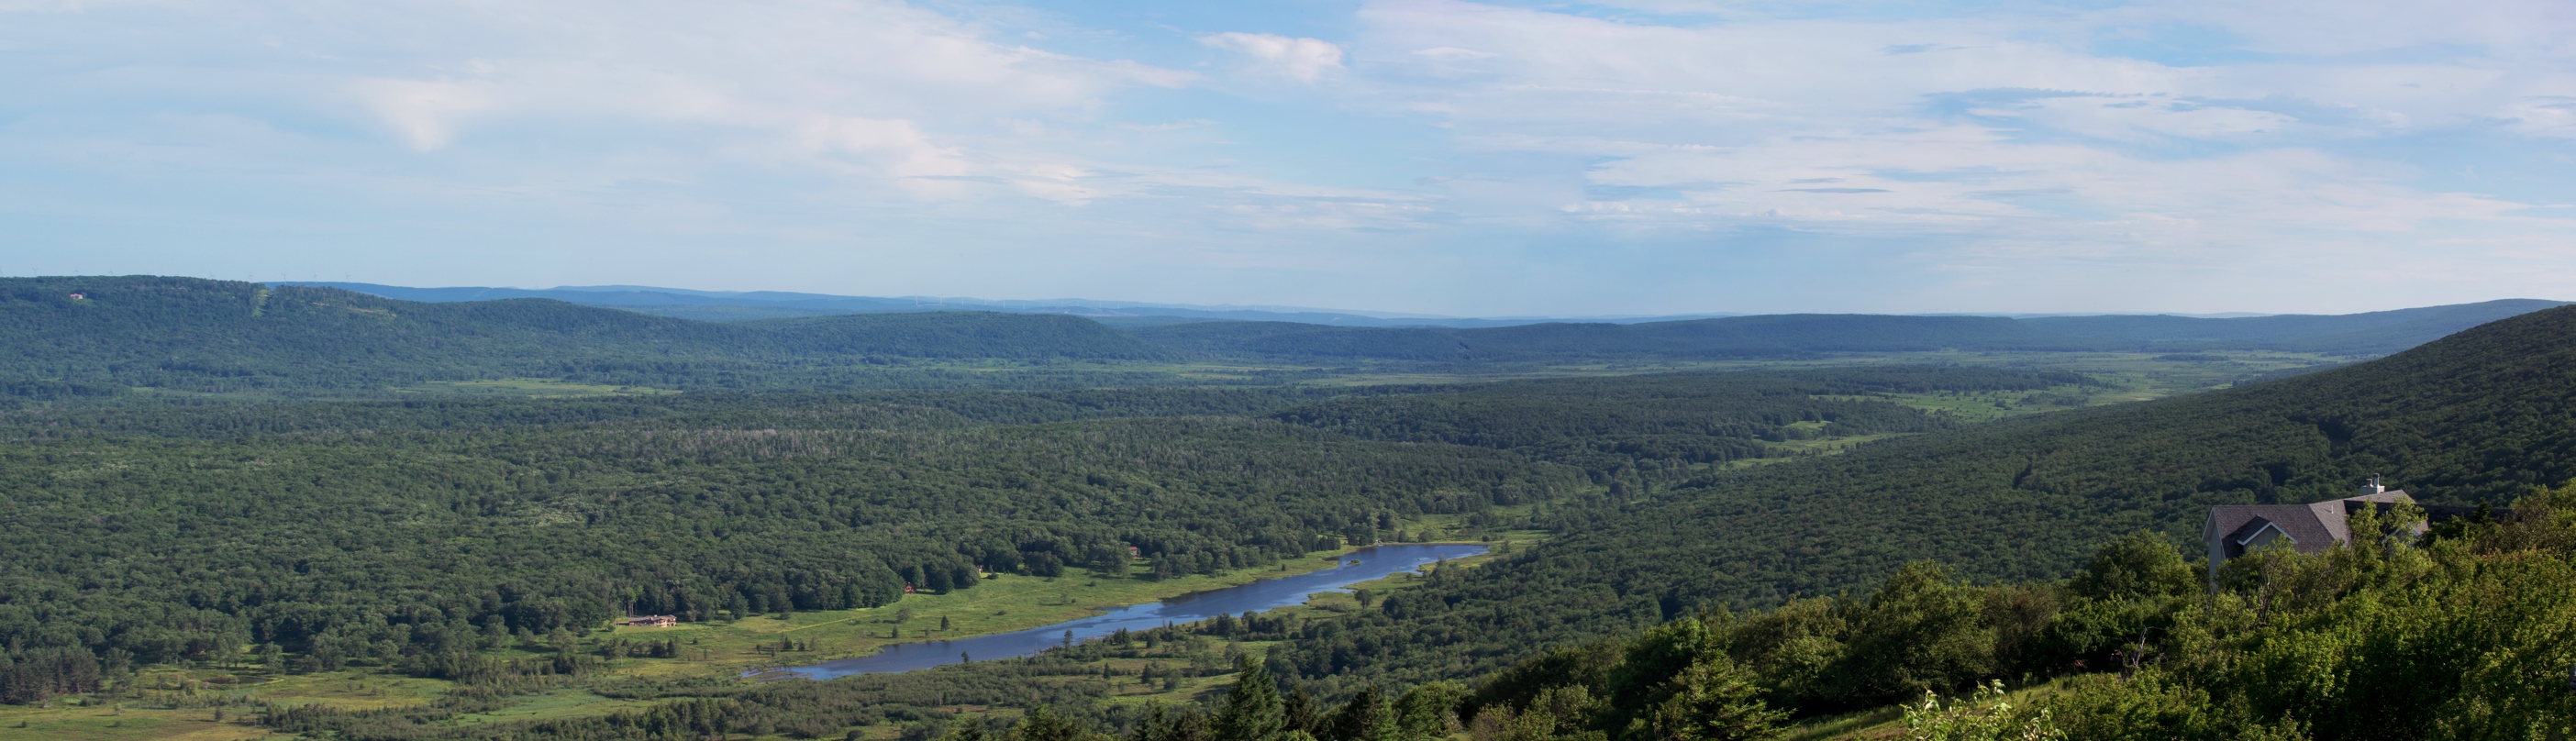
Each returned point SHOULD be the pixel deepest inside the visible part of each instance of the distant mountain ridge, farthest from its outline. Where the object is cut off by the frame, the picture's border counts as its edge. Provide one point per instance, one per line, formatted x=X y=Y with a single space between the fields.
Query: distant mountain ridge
x=189 y=333
x=1427 y=339
x=223 y=336
x=746 y=305
x=1783 y=335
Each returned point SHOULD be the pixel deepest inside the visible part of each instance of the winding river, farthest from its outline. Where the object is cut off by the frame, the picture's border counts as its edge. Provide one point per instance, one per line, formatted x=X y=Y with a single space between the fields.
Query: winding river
x=1359 y=566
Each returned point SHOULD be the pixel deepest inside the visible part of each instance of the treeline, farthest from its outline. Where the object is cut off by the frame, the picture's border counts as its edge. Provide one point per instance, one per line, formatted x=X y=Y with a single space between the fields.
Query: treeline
x=34 y=675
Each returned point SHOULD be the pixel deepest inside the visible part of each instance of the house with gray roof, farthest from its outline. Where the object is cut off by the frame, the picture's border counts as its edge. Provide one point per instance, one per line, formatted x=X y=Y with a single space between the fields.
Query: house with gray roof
x=2232 y=530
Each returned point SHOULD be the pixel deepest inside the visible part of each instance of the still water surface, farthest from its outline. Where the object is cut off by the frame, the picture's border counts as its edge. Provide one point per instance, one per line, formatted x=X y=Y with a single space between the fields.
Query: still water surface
x=1363 y=565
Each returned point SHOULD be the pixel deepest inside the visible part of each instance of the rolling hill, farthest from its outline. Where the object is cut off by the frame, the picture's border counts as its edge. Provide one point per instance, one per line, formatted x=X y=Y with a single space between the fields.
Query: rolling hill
x=1796 y=335
x=2372 y=333
x=745 y=305
x=185 y=333
x=2484 y=415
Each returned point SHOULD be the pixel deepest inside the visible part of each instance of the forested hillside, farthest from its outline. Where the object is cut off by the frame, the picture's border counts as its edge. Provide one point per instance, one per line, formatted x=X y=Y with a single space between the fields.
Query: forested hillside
x=381 y=541
x=379 y=530
x=2371 y=333
x=1634 y=431
x=218 y=336
x=2483 y=415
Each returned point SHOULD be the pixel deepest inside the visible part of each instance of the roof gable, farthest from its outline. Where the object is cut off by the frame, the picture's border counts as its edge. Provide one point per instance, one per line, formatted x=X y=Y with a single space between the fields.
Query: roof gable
x=2310 y=527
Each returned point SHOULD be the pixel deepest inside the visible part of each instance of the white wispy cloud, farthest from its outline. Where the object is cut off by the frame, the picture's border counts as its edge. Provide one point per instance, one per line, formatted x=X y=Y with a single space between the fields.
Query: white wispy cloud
x=880 y=88
x=1296 y=58
x=2017 y=142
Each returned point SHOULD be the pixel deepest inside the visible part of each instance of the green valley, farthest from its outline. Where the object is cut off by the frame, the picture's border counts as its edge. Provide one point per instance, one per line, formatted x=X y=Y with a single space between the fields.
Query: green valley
x=242 y=512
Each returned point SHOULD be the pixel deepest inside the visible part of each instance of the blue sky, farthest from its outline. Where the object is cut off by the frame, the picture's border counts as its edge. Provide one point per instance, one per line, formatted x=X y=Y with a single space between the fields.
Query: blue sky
x=1435 y=156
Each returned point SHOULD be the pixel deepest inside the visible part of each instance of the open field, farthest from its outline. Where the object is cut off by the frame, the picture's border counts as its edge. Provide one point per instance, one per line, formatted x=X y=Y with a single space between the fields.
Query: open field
x=70 y=722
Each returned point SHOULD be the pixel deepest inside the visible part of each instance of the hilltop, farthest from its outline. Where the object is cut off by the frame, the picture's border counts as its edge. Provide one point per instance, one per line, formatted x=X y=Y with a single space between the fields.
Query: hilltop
x=741 y=305
x=204 y=335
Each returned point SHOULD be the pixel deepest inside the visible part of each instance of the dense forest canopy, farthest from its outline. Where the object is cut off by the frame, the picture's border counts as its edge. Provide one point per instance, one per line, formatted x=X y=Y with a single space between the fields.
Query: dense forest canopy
x=2480 y=416
x=362 y=530
x=324 y=536
x=1663 y=423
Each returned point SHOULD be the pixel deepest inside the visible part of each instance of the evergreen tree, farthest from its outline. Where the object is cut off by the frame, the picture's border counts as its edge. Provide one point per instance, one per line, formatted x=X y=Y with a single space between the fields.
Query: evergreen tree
x=1042 y=724
x=1304 y=714
x=1365 y=717
x=1157 y=723
x=1253 y=710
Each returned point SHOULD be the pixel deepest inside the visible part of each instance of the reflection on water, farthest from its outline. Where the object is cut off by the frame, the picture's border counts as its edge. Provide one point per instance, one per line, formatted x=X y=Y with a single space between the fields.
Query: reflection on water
x=1363 y=565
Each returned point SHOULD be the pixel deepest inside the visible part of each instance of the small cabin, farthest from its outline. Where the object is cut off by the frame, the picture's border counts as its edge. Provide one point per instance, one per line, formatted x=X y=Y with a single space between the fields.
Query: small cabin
x=652 y=621
x=78 y=297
